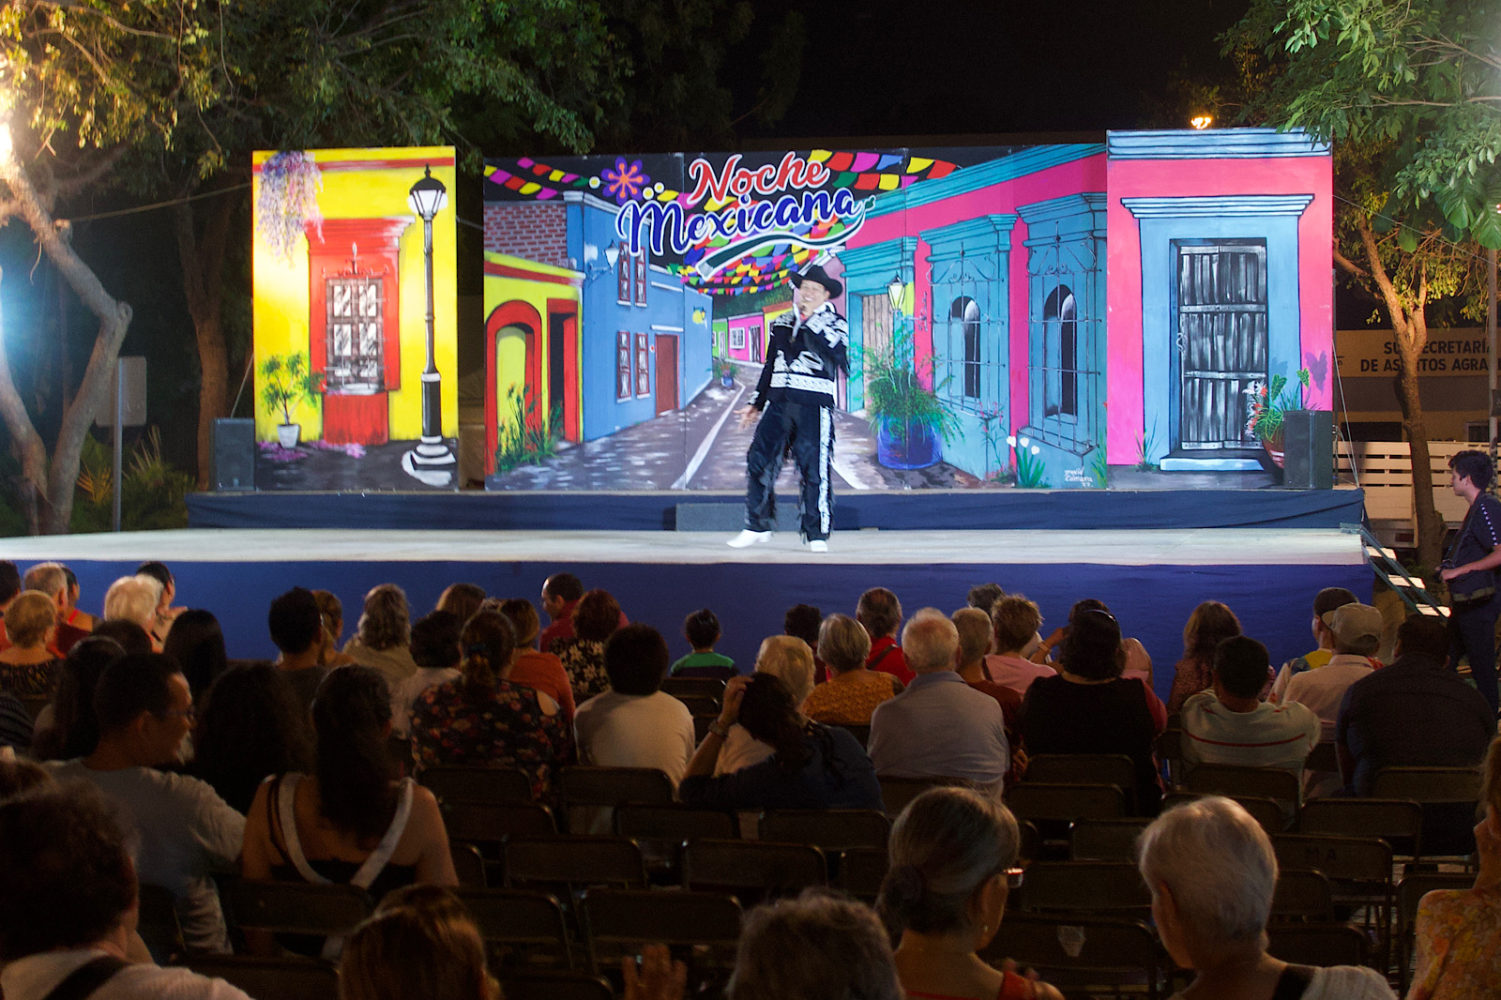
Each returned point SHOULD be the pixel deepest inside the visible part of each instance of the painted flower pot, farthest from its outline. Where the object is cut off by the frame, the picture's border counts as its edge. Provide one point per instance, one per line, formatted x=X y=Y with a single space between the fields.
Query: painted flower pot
x=1273 y=446
x=727 y=380
x=917 y=449
x=287 y=435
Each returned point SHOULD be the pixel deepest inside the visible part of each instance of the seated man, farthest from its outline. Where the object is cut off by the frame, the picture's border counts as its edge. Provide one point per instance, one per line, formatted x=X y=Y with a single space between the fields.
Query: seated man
x=880 y=612
x=1230 y=724
x=185 y=829
x=939 y=726
x=635 y=723
x=51 y=578
x=71 y=905
x=1357 y=634
x=296 y=627
x=1325 y=602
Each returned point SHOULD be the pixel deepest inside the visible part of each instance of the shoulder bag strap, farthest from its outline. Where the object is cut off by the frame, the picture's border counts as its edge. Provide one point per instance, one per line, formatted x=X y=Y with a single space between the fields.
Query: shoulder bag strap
x=88 y=977
x=287 y=794
x=378 y=859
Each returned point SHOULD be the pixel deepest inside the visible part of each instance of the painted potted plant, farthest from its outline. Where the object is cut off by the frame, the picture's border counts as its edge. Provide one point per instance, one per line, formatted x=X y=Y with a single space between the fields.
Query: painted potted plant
x=911 y=421
x=286 y=382
x=724 y=368
x=1270 y=401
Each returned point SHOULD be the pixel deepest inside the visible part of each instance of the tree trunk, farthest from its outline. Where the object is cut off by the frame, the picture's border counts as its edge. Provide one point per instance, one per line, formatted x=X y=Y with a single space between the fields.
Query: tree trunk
x=52 y=483
x=202 y=257
x=1410 y=332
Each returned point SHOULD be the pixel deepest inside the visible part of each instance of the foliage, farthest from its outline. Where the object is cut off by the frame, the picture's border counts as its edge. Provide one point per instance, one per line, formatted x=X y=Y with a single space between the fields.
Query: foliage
x=992 y=422
x=1099 y=468
x=286 y=381
x=896 y=397
x=1146 y=443
x=1270 y=403
x=1031 y=470
x=723 y=366
x=154 y=495
x=290 y=182
x=526 y=436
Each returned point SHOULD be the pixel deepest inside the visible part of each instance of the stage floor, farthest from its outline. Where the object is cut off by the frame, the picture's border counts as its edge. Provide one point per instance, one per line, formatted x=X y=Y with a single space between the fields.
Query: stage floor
x=1175 y=547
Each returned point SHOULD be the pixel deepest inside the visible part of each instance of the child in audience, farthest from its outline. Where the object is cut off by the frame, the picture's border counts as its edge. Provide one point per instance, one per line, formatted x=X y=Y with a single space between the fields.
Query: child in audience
x=701 y=629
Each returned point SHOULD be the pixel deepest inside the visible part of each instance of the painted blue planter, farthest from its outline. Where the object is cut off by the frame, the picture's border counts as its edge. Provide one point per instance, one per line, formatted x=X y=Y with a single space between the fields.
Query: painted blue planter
x=918 y=449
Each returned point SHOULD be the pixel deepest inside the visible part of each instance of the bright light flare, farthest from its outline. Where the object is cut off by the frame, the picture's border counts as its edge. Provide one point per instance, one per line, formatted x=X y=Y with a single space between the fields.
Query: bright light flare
x=1201 y=121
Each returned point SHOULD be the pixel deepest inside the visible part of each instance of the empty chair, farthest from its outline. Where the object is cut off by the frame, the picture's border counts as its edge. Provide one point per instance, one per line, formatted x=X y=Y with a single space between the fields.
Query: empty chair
x=477 y=784
x=1076 y=953
x=1039 y=801
x=1399 y=822
x=469 y=865
x=282 y=978
x=1272 y=814
x=699 y=704
x=1105 y=839
x=1448 y=796
x=674 y=821
x=752 y=870
x=620 y=921
x=489 y=823
x=1360 y=869
x=582 y=790
x=1318 y=944
x=295 y=907
x=1234 y=781
x=829 y=829
x=1084 y=769
x=1303 y=895
x=574 y=861
x=524 y=930
x=1168 y=748
x=861 y=871
x=897 y=792
x=1094 y=888
x=158 y=925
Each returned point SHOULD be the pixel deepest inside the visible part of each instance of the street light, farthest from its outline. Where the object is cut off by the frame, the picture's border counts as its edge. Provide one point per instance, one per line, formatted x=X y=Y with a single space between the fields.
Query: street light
x=431 y=461
x=593 y=269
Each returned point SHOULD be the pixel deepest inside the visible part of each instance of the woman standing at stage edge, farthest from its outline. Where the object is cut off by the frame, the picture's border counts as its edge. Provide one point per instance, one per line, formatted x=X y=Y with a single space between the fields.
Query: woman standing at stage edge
x=1469 y=570
x=795 y=401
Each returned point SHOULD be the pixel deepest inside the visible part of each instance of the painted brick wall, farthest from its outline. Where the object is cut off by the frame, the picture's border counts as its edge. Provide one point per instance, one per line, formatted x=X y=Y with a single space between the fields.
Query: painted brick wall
x=537 y=232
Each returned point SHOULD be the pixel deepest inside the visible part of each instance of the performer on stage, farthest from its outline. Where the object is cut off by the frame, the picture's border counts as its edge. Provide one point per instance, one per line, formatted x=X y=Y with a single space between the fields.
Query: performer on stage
x=795 y=400
x=1469 y=568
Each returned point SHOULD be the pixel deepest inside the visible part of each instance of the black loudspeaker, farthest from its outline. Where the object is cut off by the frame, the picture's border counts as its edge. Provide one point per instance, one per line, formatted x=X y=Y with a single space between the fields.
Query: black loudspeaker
x=1308 y=450
x=234 y=454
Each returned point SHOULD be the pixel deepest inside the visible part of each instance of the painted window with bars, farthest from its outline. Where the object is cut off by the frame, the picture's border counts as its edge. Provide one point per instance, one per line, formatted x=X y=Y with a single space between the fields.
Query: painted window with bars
x=623 y=365
x=643 y=365
x=354 y=306
x=623 y=271
x=969 y=341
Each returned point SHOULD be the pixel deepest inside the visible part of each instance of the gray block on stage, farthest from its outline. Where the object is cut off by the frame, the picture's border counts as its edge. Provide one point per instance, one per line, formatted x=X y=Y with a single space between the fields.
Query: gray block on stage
x=728 y=516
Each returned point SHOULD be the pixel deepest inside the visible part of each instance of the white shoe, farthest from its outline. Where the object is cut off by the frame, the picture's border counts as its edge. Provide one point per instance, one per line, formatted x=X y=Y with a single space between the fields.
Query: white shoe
x=748 y=537
x=818 y=545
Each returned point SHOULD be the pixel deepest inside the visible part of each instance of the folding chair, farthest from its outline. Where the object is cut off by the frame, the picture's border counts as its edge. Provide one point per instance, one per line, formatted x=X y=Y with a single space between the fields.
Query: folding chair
x=829 y=829
x=1323 y=757
x=489 y=823
x=1272 y=814
x=477 y=784
x=1235 y=781
x=159 y=926
x=1084 y=769
x=700 y=704
x=1318 y=944
x=1303 y=895
x=1105 y=839
x=584 y=790
x=469 y=865
x=707 y=687
x=897 y=792
x=556 y=986
x=1399 y=822
x=663 y=829
x=1410 y=892
x=753 y=870
x=295 y=907
x=1087 y=888
x=569 y=862
x=1083 y=957
x=861 y=872
x=702 y=928
x=1359 y=869
x=1168 y=749
x=1448 y=796
x=283 y=978
x=522 y=930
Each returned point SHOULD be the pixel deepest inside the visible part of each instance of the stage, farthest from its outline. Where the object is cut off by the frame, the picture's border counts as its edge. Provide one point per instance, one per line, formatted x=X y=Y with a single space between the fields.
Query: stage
x=1151 y=577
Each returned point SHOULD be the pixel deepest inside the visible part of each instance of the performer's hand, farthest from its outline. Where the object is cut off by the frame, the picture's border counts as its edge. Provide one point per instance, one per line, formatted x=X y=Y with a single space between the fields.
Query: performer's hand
x=748 y=415
x=734 y=693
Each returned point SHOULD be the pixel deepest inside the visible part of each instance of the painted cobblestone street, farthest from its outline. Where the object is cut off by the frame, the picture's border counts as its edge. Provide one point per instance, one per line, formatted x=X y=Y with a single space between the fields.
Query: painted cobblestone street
x=702 y=447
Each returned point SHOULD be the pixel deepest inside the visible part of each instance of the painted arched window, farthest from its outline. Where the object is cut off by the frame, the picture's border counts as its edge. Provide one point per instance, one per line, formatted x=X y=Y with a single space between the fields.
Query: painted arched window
x=964 y=327
x=1060 y=331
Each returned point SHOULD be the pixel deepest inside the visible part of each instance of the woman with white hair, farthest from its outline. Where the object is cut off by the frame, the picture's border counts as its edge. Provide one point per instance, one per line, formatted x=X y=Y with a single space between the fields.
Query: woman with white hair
x=134 y=599
x=381 y=640
x=790 y=660
x=1212 y=872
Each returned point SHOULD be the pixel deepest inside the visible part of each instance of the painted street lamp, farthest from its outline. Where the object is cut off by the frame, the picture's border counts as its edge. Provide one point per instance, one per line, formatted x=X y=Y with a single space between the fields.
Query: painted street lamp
x=431 y=461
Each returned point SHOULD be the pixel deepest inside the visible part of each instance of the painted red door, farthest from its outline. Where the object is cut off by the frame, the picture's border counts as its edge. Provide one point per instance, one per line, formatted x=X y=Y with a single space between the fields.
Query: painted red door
x=667 y=372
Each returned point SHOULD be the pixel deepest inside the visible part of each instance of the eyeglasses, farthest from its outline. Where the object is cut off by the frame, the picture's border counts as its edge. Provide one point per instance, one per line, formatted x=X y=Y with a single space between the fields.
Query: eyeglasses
x=1014 y=877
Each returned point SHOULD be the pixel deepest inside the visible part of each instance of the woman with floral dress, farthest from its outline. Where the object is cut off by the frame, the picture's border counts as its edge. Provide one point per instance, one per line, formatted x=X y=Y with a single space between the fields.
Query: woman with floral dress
x=481 y=719
x=595 y=619
x=28 y=668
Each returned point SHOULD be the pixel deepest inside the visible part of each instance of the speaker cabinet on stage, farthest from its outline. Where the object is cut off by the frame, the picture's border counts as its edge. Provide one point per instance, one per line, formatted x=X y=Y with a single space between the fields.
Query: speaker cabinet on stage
x=234 y=454
x=1308 y=450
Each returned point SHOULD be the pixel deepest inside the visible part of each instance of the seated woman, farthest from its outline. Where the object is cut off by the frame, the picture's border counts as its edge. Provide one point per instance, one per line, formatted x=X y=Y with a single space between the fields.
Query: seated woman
x=595 y=618
x=790 y=660
x=812 y=766
x=1210 y=622
x=351 y=820
x=951 y=853
x=852 y=691
x=483 y=719
x=1459 y=930
x=381 y=638
x=68 y=727
x=28 y=668
x=1212 y=872
x=421 y=942
x=331 y=610
x=818 y=946
x=1090 y=709
x=196 y=642
x=250 y=727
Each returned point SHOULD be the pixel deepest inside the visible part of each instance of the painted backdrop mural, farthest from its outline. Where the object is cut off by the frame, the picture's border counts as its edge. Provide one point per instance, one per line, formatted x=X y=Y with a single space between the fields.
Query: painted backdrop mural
x=1065 y=315
x=355 y=326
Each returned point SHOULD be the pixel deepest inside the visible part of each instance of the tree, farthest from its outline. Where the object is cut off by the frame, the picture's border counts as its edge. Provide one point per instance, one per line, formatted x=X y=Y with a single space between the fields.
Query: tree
x=1411 y=96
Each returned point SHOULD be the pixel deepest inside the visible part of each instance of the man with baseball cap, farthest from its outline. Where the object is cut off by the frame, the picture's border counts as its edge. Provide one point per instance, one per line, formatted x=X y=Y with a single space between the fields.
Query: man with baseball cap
x=1357 y=636
x=795 y=401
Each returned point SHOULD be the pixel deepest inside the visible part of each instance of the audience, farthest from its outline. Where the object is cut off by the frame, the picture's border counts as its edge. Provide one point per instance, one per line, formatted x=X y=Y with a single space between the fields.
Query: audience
x=381 y=637
x=812 y=766
x=853 y=690
x=789 y=660
x=196 y=642
x=819 y=946
x=28 y=667
x=1459 y=930
x=1015 y=621
x=634 y=723
x=531 y=668
x=483 y=718
x=596 y=615
x=73 y=614
x=435 y=650
x=66 y=856
x=701 y=629
x=250 y=726
x=1212 y=872
x=881 y=614
x=951 y=857
x=16 y=728
x=984 y=596
x=68 y=727
x=1136 y=661
x=976 y=639
x=939 y=726
x=461 y=600
x=421 y=942
x=1089 y=708
x=1357 y=633
x=353 y=820
x=1230 y=724
x=187 y=832
x=560 y=595
x=1210 y=623
x=802 y=621
x=134 y=599
x=10 y=586
x=296 y=627
x=164 y=613
x=51 y=579
x=1324 y=603
x=331 y=611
